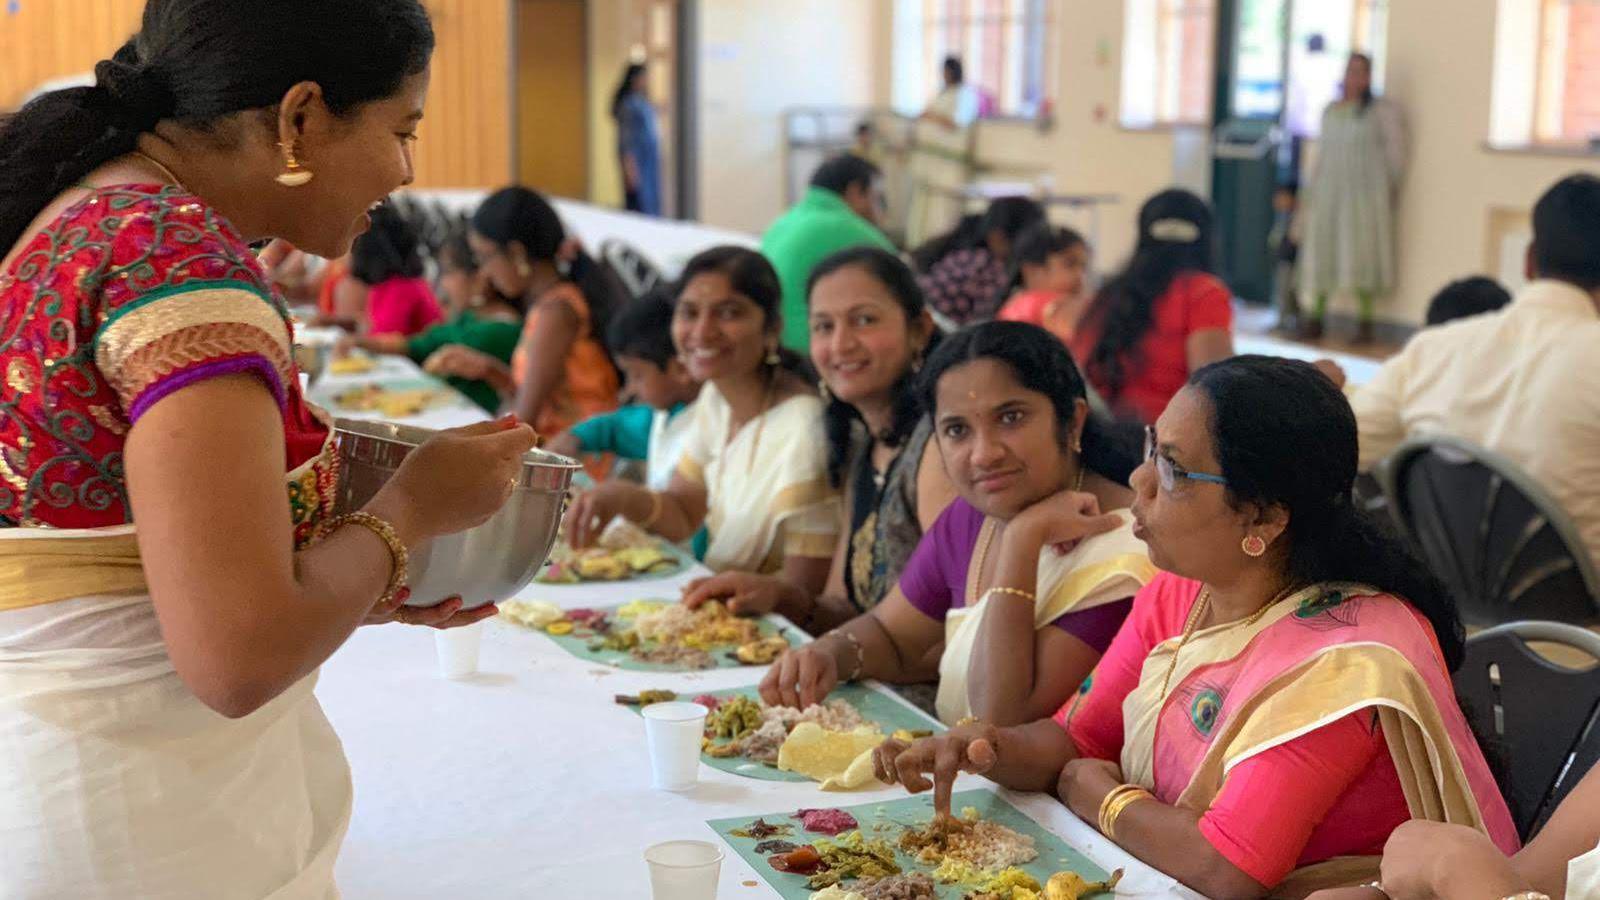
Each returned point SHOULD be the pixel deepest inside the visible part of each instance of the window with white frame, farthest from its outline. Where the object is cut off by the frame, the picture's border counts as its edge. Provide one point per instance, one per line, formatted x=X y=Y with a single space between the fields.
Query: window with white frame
x=1007 y=50
x=1167 y=62
x=1546 y=74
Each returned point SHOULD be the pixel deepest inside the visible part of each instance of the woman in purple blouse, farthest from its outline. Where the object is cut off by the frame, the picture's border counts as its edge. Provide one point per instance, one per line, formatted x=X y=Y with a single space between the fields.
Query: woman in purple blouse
x=1036 y=554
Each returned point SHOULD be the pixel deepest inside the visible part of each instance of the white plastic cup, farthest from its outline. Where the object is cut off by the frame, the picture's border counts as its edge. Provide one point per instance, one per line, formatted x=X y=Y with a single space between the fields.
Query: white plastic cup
x=672 y=731
x=684 y=870
x=458 y=650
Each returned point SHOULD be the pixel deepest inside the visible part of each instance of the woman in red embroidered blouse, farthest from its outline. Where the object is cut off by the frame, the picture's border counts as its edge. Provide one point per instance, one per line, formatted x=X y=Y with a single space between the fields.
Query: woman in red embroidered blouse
x=154 y=669
x=1279 y=700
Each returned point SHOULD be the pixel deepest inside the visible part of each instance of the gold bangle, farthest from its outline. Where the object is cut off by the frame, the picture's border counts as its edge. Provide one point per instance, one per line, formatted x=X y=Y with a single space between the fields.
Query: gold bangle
x=1015 y=592
x=655 y=510
x=399 y=557
x=1116 y=802
x=1110 y=798
x=1123 y=803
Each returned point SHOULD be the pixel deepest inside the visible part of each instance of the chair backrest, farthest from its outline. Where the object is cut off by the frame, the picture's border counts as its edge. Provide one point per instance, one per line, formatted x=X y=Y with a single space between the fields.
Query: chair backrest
x=1539 y=717
x=1496 y=539
x=638 y=274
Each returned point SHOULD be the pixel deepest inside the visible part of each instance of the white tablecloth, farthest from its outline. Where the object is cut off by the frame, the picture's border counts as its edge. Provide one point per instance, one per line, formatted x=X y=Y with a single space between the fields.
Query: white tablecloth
x=1358 y=370
x=452 y=410
x=666 y=243
x=528 y=781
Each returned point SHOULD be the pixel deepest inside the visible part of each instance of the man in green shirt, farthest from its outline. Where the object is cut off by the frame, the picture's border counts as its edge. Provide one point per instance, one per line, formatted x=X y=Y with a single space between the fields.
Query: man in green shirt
x=839 y=211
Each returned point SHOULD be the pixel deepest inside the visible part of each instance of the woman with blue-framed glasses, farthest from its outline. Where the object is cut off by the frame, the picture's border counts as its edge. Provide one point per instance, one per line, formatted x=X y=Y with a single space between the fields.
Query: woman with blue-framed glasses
x=1168 y=471
x=1278 y=701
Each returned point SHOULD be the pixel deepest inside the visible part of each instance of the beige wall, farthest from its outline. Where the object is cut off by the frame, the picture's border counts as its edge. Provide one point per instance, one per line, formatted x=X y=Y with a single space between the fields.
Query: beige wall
x=465 y=139
x=758 y=57
x=1086 y=151
x=1453 y=188
x=608 y=51
x=1454 y=182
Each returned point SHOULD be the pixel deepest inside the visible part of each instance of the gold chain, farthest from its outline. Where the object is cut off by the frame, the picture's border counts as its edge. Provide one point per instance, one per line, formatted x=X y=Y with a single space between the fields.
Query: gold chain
x=171 y=176
x=761 y=422
x=1193 y=623
x=985 y=538
x=755 y=445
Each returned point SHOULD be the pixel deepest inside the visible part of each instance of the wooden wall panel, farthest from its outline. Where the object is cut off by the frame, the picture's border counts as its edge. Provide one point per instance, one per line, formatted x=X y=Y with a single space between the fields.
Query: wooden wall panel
x=47 y=39
x=552 y=92
x=466 y=138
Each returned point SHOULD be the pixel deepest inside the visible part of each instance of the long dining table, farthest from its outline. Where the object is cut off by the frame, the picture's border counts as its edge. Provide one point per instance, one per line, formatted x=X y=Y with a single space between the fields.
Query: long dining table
x=527 y=779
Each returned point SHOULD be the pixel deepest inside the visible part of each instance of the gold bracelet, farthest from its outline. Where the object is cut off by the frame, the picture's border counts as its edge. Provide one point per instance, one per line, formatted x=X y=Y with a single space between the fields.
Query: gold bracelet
x=1122 y=804
x=399 y=557
x=1110 y=798
x=1015 y=592
x=1113 y=811
x=655 y=510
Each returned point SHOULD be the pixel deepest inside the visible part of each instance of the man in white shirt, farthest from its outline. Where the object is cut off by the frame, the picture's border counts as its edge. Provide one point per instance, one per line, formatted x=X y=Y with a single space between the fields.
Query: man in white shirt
x=956 y=105
x=1523 y=382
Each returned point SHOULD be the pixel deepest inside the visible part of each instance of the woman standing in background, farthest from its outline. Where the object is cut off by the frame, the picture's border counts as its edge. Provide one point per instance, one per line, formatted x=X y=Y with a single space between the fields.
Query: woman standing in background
x=1349 y=234
x=638 y=141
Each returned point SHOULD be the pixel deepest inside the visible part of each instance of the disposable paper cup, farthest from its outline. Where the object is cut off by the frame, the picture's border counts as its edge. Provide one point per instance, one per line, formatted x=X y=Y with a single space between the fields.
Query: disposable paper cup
x=684 y=870
x=673 y=732
x=458 y=650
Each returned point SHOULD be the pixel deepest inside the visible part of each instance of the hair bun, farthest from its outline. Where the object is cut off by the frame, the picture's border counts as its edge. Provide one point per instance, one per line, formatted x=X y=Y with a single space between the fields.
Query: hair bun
x=139 y=93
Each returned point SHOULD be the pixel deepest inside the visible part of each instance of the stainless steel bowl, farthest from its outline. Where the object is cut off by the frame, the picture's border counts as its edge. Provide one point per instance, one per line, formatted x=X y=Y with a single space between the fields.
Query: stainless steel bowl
x=486 y=564
x=312 y=359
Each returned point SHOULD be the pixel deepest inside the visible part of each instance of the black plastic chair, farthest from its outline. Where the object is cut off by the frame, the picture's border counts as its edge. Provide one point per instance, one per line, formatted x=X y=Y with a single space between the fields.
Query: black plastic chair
x=1503 y=547
x=1541 y=718
x=638 y=274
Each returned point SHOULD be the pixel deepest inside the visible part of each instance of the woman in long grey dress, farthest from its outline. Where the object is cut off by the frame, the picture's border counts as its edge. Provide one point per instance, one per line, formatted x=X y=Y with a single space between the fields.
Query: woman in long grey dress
x=1349 y=234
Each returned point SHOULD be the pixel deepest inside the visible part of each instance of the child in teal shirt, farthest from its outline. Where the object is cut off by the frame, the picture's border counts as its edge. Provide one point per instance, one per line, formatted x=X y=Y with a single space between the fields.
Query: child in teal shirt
x=652 y=428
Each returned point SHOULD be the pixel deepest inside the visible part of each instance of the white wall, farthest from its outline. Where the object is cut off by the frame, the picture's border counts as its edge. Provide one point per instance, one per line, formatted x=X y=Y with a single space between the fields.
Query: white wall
x=1439 y=69
x=1086 y=151
x=758 y=57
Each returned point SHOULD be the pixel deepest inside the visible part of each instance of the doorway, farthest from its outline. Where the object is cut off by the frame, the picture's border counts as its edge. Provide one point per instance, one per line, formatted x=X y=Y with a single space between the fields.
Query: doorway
x=1248 y=106
x=652 y=32
x=1279 y=63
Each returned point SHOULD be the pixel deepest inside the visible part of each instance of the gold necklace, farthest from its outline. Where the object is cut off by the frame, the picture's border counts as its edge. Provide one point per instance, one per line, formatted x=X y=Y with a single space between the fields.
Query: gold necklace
x=755 y=445
x=985 y=538
x=761 y=422
x=1192 y=624
x=170 y=175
